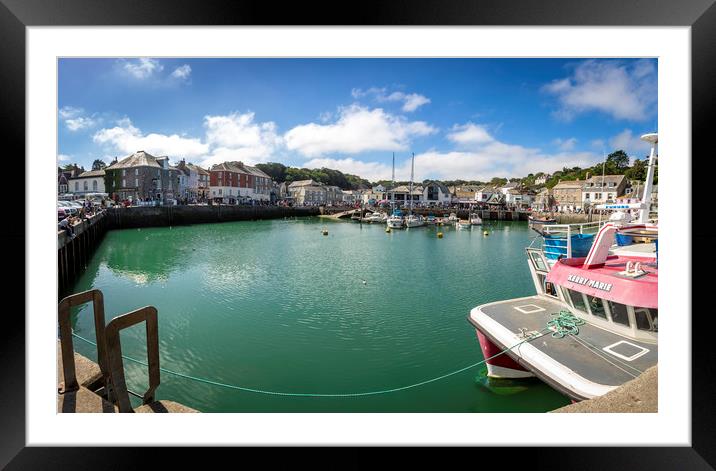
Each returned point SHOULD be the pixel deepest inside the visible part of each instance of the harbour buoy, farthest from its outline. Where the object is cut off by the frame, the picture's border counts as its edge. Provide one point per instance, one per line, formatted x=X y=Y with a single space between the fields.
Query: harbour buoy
x=485 y=233
x=440 y=235
x=387 y=229
x=324 y=232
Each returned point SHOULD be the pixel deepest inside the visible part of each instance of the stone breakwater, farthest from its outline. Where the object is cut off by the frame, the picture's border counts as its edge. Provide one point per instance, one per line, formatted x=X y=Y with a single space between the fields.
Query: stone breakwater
x=160 y=216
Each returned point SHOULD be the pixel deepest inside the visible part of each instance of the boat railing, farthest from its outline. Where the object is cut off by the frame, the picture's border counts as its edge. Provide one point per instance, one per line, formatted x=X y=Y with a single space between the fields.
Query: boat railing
x=568 y=232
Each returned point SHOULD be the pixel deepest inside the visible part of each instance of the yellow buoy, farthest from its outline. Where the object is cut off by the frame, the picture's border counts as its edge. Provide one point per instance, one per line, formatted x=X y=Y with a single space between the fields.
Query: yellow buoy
x=440 y=235
x=485 y=233
x=387 y=229
x=324 y=232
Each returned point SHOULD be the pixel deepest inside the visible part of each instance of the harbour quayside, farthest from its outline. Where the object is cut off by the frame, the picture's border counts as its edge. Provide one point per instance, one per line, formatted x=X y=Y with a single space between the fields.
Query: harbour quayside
x=593 y=324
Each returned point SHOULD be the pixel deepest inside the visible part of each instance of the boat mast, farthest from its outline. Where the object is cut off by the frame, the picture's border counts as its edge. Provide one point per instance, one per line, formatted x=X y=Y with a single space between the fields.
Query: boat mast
x=412 y=168
x=652 y=138
x=392 y=200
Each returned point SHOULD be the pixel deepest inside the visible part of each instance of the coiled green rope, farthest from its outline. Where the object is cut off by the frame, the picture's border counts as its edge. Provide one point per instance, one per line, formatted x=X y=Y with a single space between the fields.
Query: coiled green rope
x=564 y=323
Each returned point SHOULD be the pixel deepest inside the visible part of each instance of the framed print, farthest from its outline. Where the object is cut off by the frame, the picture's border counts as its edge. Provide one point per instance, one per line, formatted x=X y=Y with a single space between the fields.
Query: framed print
x=317 y=226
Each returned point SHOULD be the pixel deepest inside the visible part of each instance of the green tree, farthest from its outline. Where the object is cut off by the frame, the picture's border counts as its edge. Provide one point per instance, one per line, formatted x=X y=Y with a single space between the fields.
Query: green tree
x=98 y=164
x=617 y=162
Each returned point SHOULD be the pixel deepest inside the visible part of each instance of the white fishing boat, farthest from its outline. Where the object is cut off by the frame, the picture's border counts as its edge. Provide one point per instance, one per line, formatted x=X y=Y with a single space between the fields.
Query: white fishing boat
x=376 y=217
x=396 y=221
x=475 y=220
x=593 y=324
x=414 y=220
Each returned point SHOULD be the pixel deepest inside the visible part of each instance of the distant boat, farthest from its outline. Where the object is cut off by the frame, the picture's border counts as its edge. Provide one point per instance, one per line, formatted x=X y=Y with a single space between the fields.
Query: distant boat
x=542 y=220
x=395 y=221
x=375 y=217
x=475 y=220
x=414 y=220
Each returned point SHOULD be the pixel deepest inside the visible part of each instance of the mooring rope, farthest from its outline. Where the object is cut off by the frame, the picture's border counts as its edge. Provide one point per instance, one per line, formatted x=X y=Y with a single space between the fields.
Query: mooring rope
x=564 y=323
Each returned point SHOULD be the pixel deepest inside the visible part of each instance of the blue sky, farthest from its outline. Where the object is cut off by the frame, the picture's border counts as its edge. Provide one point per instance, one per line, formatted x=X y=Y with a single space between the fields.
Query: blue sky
x=463 y=118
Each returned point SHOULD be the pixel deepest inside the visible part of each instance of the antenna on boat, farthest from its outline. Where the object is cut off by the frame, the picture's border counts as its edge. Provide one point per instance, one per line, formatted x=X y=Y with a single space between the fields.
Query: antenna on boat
x=653 y=139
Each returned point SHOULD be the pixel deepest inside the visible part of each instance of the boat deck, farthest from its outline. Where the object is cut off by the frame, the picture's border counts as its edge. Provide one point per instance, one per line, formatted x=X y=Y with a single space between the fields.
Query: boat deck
x=584 y=353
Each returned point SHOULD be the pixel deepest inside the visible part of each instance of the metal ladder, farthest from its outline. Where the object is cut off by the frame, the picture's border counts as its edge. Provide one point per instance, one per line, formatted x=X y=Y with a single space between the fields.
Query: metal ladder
x=110 y=383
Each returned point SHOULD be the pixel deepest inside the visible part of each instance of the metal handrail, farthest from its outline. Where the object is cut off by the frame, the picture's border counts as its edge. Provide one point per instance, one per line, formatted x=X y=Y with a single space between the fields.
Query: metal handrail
x=147 y=314
x=68 y=352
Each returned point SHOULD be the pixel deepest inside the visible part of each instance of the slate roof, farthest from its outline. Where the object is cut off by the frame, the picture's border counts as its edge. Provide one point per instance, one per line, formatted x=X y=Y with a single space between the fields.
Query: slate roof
x=138 y=159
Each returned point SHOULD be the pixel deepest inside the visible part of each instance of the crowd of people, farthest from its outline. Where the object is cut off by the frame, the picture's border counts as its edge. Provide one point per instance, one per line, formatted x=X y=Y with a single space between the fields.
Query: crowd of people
x=88 y=210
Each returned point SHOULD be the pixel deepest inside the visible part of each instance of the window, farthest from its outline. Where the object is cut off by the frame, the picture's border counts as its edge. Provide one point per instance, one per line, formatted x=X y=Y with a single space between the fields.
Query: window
x=136 y=182
x=124 y=172
x=596 y=306
x=577 y=300
x=84 y=185
x=646 y=318
x=77 y=186
x=94 y=185
x=219 y=191
x=136 y=171
x=619 y=313
x=539 y=261
x=124 y=183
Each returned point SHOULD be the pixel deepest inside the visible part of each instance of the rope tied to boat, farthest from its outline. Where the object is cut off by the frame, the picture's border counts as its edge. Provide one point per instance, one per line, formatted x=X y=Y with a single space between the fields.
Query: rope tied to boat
x=564 y=323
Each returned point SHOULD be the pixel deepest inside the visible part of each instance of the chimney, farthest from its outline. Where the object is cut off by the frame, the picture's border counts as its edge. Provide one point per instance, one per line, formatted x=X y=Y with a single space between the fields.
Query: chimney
x=587 y=177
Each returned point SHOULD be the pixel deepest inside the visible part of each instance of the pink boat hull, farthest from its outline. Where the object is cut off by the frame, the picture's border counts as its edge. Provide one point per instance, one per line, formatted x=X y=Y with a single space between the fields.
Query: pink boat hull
x=502 y=366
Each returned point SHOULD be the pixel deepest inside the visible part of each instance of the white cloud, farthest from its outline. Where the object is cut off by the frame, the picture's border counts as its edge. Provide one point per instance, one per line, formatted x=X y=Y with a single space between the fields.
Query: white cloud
x=142 y=68
x=469 y=133
x=372 y=171
x=127 y=139
x=356 y=130
x=494 y=160
x=75 y=120
x=630 y=143
x=624 y=91
x=237 y=137
x=67 y=112
x=64 y=157
x=228 y=137
x=411 y=101
x=182 y=72
x=565 y=144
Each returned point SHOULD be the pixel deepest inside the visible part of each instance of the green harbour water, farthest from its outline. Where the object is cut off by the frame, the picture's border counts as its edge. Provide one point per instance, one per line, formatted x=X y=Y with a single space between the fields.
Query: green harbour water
x=276 y=306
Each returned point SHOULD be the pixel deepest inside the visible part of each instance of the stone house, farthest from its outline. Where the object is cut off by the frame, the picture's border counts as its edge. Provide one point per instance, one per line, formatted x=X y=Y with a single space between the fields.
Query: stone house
x=142 y=176
x=568 y=195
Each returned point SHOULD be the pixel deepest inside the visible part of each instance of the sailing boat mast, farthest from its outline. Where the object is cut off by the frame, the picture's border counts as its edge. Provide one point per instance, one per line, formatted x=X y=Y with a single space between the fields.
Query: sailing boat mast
x=392 y=187
x=412 y=168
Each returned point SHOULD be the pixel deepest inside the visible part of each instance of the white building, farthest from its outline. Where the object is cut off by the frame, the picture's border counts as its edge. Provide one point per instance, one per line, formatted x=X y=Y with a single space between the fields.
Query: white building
x=87 y=182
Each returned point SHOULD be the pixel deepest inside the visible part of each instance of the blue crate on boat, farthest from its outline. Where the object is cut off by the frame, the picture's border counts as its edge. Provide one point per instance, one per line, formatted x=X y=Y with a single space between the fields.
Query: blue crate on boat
x=623 y=240
x=554 y=246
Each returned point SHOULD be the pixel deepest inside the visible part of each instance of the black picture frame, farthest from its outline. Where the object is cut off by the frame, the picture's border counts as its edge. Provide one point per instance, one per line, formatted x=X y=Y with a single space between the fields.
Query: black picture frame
x=700 y=15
